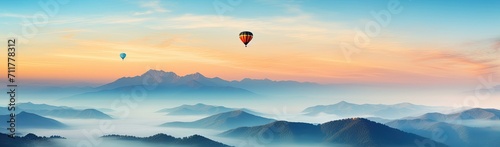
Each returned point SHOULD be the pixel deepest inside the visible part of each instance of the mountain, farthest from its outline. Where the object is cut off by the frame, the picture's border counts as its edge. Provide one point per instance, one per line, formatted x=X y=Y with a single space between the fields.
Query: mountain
x=268 y=86
x=378 y=120
x=350 y=132
x=201 y=109
x=30 y=140
x=160 y=84
x=446 y=128
x=4 y=111
x=195 y=109
x=450 y=134
x=163 y=85
x=75 y=114
x=30 y=120
x=226 y=120
x=167 y=140
x=470 y=114
x=163 y=78
x=345 y=109
x=62 y=111
x=32 y=106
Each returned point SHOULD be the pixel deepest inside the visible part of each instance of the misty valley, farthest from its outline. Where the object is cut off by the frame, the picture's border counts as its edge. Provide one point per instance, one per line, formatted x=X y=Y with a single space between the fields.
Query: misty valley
x=194 y=110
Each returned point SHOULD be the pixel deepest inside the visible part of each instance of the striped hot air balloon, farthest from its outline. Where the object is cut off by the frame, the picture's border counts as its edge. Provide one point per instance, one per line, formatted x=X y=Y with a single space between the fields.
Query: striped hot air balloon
x=246 y=37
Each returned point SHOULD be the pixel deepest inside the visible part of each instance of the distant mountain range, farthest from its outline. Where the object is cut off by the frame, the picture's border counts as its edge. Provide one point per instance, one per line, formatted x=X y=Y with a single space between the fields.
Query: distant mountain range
x=164 y=85
x=470 y=114
x=167 y=140
x=226 y=120
x=30 y=140
x=32 y=106
x=30 y=120
x=171 y=79
x=345 y=109
x=450 y=134
x=446 y=128
x=201 y=109
x=345 y=132
x=61 y=111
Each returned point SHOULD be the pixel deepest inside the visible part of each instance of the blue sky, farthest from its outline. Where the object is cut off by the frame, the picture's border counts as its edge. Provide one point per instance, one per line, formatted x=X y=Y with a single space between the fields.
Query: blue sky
x=302 y=31
x=431 y=43
x=463 y=19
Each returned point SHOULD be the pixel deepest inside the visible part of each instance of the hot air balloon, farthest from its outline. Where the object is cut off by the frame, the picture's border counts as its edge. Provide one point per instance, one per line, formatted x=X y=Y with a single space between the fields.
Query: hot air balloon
x=246 y=37
x=123 y=55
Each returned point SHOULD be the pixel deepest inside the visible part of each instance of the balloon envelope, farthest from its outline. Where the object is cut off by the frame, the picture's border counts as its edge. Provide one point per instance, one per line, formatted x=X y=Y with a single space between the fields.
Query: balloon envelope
x=246 y=37
x=123 y=55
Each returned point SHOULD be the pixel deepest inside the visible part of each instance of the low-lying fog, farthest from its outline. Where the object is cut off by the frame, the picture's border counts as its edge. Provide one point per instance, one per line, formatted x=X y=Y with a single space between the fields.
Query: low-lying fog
x=144 y=123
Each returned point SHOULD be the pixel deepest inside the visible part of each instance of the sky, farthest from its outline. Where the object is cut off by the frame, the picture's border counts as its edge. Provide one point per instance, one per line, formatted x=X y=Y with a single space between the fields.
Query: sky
x=424 y=42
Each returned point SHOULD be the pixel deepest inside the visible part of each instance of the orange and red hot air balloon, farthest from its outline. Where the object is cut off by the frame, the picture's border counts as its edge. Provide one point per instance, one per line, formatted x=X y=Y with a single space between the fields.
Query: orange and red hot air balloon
x=246 y=37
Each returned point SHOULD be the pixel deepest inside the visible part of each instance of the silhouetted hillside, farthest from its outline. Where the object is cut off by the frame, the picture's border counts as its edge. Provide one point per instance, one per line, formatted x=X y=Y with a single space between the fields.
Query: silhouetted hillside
x=62 y=111
x=355 y=132
x=470 y=114
x=30 y=140
x=450 y=134
x=191 y=141
x=30 y=120
x=227 y=120
x=76 y=114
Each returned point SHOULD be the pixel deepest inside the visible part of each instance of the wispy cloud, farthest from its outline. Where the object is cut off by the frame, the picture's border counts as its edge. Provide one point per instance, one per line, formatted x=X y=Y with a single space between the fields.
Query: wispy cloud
x=299 y=27
x=496 y=45
x=153 y=6
x=98 y=20
x=143 y=13
x=293 y=43
x=456 y=63
x=14 y=15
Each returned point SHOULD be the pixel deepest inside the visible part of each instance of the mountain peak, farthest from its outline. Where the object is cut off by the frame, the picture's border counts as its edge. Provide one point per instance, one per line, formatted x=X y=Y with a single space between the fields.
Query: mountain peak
x=151 y=71
x=480 y=109
x=196 y=75
x=405 y=104
x=225 y=120
x=154 y=70
x=31 y=136
x=25 y=113
x=344 y=103
x=158 y=73
x=479 y=113
x=234 y=113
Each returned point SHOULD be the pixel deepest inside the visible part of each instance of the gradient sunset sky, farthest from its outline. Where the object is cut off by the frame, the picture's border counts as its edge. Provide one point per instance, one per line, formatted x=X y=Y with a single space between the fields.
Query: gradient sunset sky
x=429 y=42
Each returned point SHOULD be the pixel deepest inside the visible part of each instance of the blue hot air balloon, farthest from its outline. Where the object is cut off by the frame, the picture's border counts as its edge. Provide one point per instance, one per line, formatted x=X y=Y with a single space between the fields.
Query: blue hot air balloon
x=123 y=55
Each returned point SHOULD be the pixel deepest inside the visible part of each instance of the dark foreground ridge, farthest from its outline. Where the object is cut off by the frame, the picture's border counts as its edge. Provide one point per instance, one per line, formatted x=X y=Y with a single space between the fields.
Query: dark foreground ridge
x=29 y=140
x=351 y=132
x=191 y=141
